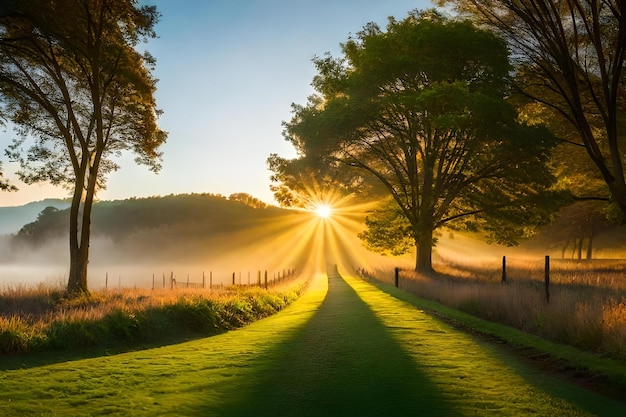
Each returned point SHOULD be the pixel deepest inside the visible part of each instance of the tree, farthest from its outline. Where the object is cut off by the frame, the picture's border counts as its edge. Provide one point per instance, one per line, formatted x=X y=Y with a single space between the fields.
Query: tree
x=421 y=108
x=4 y=184
x=79 y=93
x=578 y=224
x=569 y=56
x=248 y=200
x=388 y=230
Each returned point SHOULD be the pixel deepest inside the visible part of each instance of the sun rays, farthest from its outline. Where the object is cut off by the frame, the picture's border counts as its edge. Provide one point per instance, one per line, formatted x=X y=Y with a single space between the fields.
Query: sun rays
x=324 y=211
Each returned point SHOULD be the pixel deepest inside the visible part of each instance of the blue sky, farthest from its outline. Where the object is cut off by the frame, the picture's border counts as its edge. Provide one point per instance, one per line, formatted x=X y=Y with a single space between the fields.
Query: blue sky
x=228 y=72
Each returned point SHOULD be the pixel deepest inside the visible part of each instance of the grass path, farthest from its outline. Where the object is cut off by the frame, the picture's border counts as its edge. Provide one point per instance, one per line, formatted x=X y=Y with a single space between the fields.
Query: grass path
x=344 y=349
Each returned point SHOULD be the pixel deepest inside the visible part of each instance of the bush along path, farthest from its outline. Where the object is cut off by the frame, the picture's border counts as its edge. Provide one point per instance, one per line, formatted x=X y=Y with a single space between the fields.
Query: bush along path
x=345 y=348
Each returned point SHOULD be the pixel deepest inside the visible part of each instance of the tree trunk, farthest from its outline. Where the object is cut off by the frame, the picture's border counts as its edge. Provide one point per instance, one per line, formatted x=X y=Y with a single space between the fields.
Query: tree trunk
x=77 y=282
x=423 y=261
x=79 y=248
x=80 y=229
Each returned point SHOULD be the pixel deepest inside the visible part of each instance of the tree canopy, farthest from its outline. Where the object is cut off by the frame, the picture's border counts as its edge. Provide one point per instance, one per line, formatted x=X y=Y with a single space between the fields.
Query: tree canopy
x=422 y=109
x=79 y=92
x=4 y=184
x=569 y=56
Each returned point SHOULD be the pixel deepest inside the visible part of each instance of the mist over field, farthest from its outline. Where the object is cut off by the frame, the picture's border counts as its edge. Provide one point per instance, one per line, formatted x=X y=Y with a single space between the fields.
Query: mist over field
x=141 y=241
x=144 y=242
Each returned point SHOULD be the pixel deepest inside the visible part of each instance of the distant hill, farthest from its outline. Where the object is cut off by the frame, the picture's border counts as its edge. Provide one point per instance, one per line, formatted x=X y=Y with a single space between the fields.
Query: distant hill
x=13 y=218
x=173 y=225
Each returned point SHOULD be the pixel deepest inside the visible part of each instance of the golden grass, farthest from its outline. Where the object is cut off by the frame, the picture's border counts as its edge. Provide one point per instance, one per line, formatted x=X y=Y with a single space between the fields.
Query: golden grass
x=40 y=318
x=587 y=306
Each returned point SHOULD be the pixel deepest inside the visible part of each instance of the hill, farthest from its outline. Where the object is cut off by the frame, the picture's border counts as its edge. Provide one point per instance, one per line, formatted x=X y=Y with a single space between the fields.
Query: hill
x=13 y=218
x=182 y=227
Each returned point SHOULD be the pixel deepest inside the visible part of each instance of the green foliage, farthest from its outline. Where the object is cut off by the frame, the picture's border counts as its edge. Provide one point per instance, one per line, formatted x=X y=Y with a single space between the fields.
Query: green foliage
x=69 y=333
x=388 y=230
x=15 y=335
x=4 y=184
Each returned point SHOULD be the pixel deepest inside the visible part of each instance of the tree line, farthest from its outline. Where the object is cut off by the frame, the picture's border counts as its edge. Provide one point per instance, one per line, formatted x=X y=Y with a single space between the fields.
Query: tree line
x=169 y=219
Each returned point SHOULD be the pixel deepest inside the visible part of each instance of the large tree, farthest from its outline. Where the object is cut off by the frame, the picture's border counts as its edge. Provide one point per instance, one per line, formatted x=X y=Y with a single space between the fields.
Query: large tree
x=79 y=92
x=421 y=108
x=569 y=56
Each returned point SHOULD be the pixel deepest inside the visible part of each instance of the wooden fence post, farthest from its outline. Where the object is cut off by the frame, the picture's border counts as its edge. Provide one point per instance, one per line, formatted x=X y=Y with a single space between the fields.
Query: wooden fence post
x=153 y=280
x=106 y=281
x=210 y=280
x=203 y=280
x=547 y=278
x=504 y=270
x=172 y=280
x=396 y=276
x=233 y=278
x=265 y=279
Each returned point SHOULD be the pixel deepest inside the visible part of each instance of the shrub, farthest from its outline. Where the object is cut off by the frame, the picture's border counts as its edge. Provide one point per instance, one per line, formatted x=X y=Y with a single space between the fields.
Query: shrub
x=15 y=335
x=69 y=333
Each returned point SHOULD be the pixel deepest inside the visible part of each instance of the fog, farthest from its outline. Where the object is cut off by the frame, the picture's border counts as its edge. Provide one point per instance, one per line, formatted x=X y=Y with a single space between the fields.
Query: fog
x=297 y=241
x=289 y=240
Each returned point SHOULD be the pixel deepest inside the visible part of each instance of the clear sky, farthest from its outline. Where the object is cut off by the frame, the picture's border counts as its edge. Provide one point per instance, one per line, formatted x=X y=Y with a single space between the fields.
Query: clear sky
x=228 y=72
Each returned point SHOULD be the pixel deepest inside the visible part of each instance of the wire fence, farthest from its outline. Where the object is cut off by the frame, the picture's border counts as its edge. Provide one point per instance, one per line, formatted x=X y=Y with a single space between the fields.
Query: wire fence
x=208 y=280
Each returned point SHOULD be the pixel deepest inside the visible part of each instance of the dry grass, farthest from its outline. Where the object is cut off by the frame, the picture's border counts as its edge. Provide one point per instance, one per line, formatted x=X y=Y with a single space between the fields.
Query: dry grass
x=587 y=307
x=40 y=318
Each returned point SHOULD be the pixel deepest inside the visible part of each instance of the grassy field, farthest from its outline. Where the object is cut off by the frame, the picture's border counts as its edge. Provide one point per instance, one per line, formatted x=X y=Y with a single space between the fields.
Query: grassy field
x=37 y=319
x=587 y=307
x=343 y=348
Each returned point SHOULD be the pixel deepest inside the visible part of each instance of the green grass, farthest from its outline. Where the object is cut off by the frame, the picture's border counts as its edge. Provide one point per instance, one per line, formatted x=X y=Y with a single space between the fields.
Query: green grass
x=612 y=370
x=343 y=348
x=173 y=380
x=488 y=380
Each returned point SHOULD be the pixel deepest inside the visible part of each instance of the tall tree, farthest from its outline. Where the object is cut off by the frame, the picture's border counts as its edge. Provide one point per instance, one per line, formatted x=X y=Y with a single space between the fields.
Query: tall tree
x=74 y=83
x=569 y=56
x=421 y=108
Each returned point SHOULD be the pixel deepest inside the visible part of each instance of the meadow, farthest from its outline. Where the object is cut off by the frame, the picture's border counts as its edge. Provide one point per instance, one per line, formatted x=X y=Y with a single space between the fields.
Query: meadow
x=587 y=306
x=39 y=318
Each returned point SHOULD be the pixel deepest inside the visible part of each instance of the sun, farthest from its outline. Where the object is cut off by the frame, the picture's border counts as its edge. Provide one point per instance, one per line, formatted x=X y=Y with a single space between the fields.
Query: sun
x=323 y=211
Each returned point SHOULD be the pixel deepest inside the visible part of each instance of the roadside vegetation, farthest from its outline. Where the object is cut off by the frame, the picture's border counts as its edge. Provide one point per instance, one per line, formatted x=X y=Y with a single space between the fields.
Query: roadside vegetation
x=41 y=318
x=587 y=307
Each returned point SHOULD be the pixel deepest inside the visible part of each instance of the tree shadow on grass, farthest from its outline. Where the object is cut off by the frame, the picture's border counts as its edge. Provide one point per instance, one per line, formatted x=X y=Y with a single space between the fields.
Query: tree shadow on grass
x=15 y=361
x=343 y=362
x=551 y=378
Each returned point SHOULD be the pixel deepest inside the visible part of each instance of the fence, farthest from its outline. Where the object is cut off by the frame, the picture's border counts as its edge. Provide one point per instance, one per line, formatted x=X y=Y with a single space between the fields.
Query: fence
x=608 y=274
x=172 y=281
